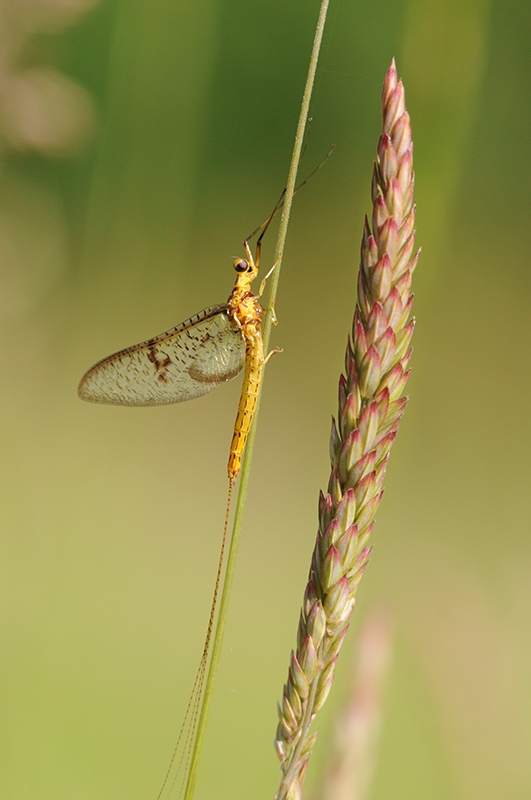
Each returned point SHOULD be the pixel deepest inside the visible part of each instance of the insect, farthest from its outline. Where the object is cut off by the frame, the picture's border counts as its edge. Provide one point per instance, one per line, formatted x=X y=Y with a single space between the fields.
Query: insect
x=188 y=361
x=193 y=358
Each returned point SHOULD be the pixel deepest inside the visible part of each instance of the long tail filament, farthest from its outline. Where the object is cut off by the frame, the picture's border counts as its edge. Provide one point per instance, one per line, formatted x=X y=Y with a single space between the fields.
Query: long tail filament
x=194 y=703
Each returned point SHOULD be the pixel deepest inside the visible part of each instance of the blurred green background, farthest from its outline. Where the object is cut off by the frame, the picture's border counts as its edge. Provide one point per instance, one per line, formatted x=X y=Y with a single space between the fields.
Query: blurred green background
x=141 y=141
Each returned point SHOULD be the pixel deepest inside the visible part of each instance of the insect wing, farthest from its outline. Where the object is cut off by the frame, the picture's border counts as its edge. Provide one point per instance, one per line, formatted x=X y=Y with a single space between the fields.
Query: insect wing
x=185 y=362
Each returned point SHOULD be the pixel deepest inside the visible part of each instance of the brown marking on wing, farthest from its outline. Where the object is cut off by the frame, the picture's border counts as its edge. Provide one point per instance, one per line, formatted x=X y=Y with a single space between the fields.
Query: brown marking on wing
x=161 y=365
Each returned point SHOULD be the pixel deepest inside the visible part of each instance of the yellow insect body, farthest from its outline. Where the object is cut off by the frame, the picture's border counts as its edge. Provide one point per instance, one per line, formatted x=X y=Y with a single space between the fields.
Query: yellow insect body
x=192 y=359
x=247 y=311
x=188 y=361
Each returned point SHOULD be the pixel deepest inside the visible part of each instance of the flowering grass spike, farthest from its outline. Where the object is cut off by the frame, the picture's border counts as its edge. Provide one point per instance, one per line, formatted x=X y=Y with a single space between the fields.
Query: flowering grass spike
x=370 y=408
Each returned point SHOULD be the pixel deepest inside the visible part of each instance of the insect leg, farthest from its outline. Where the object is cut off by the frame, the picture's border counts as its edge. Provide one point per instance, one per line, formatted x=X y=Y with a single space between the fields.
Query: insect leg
x=263 y=283
x=272 y=353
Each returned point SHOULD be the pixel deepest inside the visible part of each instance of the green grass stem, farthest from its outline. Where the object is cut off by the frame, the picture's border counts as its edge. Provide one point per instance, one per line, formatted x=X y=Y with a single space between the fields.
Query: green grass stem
x=246 y=465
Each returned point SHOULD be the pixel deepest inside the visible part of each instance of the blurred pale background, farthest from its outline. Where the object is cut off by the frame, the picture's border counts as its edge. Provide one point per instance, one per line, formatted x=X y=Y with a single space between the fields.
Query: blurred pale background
x=141 y=141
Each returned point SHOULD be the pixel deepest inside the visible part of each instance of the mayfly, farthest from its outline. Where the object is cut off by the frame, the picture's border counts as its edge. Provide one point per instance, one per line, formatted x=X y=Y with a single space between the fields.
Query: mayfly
x=188 y=361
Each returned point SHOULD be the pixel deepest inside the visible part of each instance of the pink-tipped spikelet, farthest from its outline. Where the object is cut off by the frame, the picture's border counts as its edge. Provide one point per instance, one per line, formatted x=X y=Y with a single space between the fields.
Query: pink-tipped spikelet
x=370 y=409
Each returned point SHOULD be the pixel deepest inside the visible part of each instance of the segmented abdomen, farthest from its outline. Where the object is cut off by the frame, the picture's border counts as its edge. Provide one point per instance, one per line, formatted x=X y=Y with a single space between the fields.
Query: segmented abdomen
x=254 y=361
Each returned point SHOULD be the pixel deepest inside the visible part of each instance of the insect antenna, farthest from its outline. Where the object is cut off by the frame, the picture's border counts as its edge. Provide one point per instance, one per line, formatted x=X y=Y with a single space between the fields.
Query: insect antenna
x=280 y=203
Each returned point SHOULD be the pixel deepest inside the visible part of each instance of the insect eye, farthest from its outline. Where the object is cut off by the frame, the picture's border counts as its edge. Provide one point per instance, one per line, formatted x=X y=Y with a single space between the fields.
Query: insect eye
x=241 y=265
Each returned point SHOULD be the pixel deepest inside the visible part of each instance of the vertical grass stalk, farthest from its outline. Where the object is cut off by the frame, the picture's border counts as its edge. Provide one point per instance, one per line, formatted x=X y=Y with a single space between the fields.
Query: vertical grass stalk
x=244 y=475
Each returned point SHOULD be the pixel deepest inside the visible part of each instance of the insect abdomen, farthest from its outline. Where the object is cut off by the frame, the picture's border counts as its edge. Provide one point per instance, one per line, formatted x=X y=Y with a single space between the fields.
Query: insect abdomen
x=254 y=362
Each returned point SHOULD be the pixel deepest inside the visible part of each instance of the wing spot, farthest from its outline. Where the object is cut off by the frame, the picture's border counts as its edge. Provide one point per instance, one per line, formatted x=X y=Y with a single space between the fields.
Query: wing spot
x=160 y=364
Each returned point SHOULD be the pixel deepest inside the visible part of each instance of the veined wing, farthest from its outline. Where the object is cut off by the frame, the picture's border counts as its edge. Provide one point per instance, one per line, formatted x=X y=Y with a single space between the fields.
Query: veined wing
x=183 y=363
